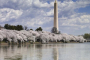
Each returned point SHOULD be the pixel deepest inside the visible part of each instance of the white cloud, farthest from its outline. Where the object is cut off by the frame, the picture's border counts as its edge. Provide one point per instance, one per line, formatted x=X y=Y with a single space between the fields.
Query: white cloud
x=40 y=4
x=73 y=5
x=37 y=21
x=79 y=21
x=7 y=14
x=50 y=13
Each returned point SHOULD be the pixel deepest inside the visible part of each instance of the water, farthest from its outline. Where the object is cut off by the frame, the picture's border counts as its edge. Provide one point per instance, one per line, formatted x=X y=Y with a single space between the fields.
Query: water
x=68 y=51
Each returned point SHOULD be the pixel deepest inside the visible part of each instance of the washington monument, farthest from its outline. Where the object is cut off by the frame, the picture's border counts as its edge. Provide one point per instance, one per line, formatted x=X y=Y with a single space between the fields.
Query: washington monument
x=55 y=28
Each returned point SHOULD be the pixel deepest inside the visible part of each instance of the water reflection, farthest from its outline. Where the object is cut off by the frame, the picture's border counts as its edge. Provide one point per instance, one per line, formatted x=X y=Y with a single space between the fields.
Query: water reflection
x=55 y=53
x=17 y=57
x=45 y=52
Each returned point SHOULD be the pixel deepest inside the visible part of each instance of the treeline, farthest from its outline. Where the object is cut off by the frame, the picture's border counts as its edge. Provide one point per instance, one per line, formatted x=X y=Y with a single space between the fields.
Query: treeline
x=86 y=35
x=19 y=27
x=13 y=27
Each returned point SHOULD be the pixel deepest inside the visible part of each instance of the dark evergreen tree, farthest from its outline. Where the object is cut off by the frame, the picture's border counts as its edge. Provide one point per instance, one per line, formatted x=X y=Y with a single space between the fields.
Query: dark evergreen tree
x=19 y=27
x=39 y=29
x=6 y=26
x=31 y=29
x=86 y=36
x=12 y=27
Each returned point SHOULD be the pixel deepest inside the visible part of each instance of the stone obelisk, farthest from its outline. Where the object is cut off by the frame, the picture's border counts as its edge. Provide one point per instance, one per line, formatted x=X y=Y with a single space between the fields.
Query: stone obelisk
x=56 y=17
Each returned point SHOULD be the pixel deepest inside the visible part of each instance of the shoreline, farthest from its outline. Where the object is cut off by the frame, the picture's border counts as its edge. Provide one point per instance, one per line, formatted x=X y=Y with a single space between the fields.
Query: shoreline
x=27 y=43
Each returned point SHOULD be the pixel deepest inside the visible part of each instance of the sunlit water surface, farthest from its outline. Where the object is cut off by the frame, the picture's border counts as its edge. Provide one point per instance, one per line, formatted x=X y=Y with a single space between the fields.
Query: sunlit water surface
x=68 y=51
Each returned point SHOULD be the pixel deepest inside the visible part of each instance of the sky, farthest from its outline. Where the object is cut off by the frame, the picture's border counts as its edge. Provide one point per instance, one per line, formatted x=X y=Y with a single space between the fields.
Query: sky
x=73 y=15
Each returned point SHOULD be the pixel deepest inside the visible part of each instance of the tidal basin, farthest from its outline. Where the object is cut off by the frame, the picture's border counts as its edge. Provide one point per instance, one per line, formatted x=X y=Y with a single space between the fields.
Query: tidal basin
x=63 y=51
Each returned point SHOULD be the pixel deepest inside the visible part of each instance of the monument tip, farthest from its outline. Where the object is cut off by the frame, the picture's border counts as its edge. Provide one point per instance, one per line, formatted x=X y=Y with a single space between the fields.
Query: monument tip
x=55 y=0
